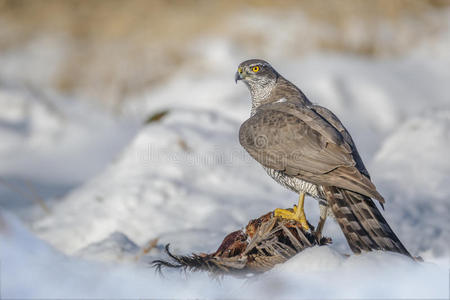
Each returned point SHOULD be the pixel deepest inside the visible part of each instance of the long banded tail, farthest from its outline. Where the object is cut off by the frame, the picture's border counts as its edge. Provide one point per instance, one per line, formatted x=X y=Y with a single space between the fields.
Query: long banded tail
x=363 y=224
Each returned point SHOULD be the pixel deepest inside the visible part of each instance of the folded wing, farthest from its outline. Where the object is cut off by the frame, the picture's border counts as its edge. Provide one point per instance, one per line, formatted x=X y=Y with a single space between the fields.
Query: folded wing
x=300 y=142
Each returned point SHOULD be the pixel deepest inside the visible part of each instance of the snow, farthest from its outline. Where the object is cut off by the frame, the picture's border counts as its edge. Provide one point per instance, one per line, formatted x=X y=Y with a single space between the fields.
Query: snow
x=109 y=184
x=51 y=144
x=117 y=246
x=419 y=186
x=315 y=273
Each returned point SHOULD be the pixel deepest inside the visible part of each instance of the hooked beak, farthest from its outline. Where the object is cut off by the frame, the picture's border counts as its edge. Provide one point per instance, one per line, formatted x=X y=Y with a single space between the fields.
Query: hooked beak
x=238 y=75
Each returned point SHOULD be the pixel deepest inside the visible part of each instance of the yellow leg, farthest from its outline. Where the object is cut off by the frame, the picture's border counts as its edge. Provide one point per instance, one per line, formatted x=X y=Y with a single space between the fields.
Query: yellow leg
x=298 y=213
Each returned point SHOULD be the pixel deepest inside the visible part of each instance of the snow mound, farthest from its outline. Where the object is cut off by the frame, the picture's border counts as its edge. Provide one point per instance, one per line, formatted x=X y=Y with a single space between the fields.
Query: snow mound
x=116 y=247
x=424 y=140
x=321 y=272
x=318 y=272
x=51 y=144
x=413 y=168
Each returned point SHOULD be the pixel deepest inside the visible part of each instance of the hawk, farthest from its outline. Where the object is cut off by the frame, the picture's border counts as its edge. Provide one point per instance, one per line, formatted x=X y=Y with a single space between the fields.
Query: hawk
x=305 y=148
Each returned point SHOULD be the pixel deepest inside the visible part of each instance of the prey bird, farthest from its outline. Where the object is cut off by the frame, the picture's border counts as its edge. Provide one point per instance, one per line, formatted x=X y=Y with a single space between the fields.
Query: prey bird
x=305 y=148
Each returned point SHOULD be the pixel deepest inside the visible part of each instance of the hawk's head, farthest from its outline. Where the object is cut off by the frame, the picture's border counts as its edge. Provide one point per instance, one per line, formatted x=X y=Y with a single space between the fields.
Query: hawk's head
x=256 y=73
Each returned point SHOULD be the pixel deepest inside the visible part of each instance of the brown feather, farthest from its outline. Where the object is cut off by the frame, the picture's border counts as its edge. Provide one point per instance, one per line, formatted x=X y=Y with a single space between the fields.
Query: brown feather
x=363 y=225
x=282 y=141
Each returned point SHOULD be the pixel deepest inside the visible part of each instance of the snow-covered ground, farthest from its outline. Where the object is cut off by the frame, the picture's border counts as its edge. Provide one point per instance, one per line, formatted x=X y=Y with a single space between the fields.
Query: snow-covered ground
x=52 y=144
x=186 y=180
x=32 y=269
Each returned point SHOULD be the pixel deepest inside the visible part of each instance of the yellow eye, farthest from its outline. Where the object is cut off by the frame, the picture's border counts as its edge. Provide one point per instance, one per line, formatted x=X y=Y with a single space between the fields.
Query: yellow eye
x=255 y=69
x=240 y=70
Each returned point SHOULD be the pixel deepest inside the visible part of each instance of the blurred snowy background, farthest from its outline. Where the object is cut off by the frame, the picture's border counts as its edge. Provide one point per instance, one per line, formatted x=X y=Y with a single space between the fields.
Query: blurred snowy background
x=89 y=174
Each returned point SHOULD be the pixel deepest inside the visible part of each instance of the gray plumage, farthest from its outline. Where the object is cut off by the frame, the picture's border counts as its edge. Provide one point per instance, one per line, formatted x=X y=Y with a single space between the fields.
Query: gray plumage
x=306 y=148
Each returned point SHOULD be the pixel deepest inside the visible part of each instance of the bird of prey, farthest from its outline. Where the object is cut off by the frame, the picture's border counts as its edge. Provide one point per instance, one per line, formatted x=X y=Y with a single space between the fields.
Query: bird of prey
x=305 y=148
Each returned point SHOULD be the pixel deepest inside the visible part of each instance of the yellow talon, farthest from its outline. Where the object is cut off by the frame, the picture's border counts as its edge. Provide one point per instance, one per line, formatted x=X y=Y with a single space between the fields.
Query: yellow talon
x=296 y=214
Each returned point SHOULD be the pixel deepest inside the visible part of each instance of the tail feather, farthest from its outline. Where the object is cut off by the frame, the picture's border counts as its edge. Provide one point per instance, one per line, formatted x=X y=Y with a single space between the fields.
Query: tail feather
x=363 y=224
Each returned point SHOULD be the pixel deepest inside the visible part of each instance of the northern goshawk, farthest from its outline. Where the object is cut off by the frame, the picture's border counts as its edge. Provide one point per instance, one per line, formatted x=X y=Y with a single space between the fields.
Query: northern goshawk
x=305 y=147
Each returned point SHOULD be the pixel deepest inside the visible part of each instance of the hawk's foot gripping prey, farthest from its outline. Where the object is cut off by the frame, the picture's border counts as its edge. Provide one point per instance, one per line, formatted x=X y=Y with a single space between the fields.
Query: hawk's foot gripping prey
x=265 y=242
x=296 y=214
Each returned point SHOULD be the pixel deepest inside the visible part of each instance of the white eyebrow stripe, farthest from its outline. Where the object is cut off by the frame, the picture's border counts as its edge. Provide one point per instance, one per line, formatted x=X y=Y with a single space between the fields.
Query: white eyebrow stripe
x=281 y=100
x=257 y=64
